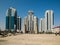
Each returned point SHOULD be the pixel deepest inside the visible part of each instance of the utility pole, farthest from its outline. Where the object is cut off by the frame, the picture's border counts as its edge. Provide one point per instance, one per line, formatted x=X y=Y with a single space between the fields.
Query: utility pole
x=59 y=29
x=0 y=30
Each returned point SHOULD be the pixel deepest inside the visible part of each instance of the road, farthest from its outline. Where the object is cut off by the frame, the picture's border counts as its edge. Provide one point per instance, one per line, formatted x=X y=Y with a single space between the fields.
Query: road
x=31 y=39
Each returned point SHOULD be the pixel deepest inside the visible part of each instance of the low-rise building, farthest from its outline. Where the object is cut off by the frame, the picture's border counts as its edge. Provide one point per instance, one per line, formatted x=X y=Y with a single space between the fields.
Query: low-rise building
x=56 y=29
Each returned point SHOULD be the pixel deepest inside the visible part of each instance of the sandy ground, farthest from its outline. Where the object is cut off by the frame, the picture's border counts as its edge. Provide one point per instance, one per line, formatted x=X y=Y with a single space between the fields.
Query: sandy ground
x=31 y=39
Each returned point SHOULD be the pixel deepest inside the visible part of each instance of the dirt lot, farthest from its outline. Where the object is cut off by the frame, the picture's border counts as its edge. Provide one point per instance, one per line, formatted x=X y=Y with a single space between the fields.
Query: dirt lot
x=31 y=39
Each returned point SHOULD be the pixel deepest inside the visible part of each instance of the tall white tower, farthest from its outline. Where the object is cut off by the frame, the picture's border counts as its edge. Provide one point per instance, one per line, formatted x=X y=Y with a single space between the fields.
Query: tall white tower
x=31 y=23
x=31 y=20
x=49 y=20
x=25 y=24
x=35 y=24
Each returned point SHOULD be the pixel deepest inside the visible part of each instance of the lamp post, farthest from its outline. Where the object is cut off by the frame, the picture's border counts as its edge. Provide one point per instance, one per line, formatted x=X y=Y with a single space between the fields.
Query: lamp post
x=59 y=30
x=0 y=30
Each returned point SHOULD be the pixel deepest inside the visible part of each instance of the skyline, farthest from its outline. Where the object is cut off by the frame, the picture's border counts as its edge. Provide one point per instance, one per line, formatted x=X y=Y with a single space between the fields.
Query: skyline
x=22 y=6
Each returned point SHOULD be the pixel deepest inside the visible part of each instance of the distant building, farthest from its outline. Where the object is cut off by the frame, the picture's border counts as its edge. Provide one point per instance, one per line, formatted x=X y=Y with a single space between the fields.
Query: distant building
x=11 y=19
x=26 y=25
x=18 y=23
x=42 y=25
x=35 y=24
x=56 y=29
x=49 y=20
x=29 y=22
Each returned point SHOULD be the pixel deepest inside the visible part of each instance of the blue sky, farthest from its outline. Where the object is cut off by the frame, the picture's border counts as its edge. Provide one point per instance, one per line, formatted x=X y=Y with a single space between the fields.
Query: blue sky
x=38 y=6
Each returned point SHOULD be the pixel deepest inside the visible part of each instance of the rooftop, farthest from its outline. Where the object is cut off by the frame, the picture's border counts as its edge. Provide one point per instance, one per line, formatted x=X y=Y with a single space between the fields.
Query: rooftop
x=57 y=27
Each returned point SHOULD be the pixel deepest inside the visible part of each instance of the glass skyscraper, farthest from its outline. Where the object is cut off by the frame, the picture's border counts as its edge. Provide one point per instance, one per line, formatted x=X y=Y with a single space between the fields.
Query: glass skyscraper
x=11 y=19
x=18 y=23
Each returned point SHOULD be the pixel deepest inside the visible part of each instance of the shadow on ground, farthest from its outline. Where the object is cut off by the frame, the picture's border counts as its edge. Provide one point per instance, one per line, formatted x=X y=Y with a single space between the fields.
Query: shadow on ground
x=3 y=40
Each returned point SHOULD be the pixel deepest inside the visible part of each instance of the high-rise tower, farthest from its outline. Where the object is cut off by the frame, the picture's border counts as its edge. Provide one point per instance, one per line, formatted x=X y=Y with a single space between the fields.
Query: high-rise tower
x=35 y=24
x=11 y=19
x=31 y=20
x=49 y=20
x=18 y=23
x=42 y=25
x=26 y=27
x=30 y=23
